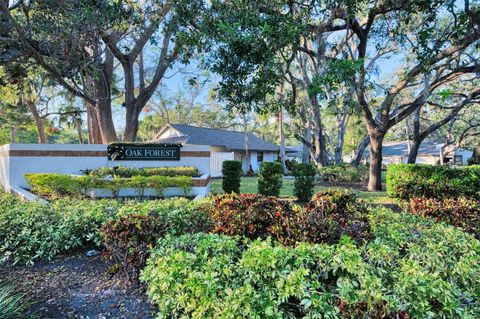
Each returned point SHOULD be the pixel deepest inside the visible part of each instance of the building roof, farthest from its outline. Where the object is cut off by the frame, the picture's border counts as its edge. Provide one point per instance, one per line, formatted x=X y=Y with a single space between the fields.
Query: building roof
x=427 y=148
x=234 y=141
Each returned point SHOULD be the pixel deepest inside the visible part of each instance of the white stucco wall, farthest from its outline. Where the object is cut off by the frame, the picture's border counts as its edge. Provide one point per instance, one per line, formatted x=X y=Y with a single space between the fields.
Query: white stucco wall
x=4 y=166
x=13 y=168
x=251 y=159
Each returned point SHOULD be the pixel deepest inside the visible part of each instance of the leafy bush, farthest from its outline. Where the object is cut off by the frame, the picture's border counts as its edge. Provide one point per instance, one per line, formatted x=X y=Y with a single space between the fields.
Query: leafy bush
x=270 y=178
x=13 y=305
x=393 y=276
x=461 y=212
x=304 y=180
x=326 y=218
x=231 y=171
x=60 y=185
x=332 y=214
x=127 y=172
x=129 y=239
x=420 y=180
x=344 y=173
x=247 y=215
x=31 y=231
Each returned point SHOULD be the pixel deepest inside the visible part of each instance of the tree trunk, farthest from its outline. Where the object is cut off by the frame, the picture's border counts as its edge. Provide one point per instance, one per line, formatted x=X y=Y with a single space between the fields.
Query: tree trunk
x=360 y=150
x=13 y=134
x=417 y=137
x=412 y=156
x=131 y=124
x=93 y=125
x=282 y=141
x=79 y=130
x=320 y=156
x=341 y=128
x=105 y=118
x=375 y=178
x=475 y=159
x=42 y=137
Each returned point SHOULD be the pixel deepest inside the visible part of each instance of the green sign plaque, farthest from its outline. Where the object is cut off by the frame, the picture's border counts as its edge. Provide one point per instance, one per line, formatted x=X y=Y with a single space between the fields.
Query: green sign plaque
x=143 y=152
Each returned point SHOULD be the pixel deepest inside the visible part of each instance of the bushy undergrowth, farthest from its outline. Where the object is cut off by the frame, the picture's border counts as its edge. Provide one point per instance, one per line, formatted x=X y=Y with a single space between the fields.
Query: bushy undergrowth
x=31 y=231
x=461 y=212
x=414 y=268
x=60 y=185
x=126 y=172
x=409 y=180
x=326 y=218
x=344 y=173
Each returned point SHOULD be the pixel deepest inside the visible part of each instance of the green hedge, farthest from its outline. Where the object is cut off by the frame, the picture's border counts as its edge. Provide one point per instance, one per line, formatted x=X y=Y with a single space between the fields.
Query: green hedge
x=270 y=178
x=126 y=172
x=415 y=268
x=231 y=171
x=58 y=185
x=31 y=231
x=304 y=180
x=409 y=180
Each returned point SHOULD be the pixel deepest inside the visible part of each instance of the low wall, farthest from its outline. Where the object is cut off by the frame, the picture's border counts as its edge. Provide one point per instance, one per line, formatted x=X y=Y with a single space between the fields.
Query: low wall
x=16 y=160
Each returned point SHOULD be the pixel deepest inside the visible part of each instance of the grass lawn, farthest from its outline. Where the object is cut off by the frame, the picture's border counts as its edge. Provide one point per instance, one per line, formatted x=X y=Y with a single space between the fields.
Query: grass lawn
x=249 y=186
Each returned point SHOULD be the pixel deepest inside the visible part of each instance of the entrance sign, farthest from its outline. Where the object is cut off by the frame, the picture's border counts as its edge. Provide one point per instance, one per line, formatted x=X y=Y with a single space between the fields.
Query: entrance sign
x=143 y=152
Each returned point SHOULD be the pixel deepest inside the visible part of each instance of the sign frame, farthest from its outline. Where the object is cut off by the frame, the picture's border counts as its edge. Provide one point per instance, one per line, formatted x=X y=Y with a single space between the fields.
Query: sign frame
x=143 y=152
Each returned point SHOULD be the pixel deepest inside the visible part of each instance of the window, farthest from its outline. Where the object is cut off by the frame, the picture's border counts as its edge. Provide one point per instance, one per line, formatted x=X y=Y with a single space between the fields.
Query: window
x=259 y=157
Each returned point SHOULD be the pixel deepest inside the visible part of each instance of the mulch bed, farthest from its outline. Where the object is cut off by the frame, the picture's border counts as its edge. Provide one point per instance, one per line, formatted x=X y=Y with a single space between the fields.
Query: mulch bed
x=77 y=287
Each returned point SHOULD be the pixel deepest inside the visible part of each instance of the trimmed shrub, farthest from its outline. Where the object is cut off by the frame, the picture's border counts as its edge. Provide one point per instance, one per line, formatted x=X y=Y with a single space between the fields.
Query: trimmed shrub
x=60 y=185
x=127 y=172
x=419 y=180
x=394 y=276
x=54 y=185
x=344 y=173
x=128 y=240
x=31 y=231
x=247 y=215
x=330 y=215
x=304 y=180
x=231 y=171
x=270 y=178
x=461 y=212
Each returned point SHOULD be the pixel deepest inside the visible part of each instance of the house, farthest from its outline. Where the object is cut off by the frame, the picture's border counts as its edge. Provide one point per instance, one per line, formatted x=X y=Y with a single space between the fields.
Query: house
x=429 y=152
x=222 y=145
x=294 y=152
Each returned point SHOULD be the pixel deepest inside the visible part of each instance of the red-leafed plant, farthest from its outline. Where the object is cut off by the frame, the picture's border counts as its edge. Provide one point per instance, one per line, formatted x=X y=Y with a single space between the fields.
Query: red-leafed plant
x=332 y=214
x=461 y=212
x=129 y=239
x=329 y=216
x=247 y=215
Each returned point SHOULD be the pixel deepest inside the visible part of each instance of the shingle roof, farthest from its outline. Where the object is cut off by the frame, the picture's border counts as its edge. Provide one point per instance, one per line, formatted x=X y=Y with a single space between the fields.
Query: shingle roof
x=234 y=141
x=431 y=148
